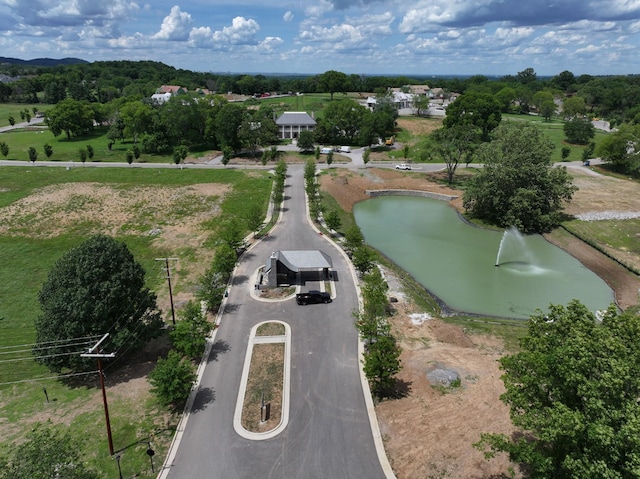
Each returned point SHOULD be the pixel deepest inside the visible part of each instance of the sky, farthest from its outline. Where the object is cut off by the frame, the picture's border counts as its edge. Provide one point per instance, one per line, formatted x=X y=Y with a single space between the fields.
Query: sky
x=370 y=37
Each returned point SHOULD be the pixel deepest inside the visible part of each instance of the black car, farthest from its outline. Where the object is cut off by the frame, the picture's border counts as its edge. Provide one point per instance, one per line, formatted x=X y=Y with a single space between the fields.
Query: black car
x=313 y=297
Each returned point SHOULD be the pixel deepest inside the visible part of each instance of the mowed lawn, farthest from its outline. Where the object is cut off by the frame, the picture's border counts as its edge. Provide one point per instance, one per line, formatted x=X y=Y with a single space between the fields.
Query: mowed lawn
x=27 y=259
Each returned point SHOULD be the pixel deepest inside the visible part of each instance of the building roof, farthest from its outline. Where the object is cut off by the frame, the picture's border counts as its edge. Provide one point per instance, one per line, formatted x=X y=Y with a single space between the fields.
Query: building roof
x=295 y=118
x=303 y=260
x=170 y=89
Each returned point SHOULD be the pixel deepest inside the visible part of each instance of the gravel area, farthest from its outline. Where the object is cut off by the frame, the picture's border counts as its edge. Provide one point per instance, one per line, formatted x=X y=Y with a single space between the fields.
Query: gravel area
x=608 y=215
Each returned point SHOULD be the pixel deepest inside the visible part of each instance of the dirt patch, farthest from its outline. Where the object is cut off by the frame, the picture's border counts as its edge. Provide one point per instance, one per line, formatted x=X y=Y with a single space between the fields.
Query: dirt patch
x=349 y=187
x=165 y=212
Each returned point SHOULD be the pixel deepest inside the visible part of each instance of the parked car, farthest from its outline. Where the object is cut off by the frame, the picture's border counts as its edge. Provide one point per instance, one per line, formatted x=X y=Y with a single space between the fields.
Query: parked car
x=344 y=149
x=325 y=151
x=403 y=166
x=313 y=297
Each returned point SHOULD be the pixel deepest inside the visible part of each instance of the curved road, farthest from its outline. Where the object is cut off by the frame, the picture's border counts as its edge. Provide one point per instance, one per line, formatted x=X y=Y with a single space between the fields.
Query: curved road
x=328 y=434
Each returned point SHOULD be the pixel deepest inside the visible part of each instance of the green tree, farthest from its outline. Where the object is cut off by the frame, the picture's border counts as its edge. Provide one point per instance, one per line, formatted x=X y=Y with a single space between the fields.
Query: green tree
x=454 y=145
x=172 y=380
x=228 y=123
x=363 y=259
x=341 y=121
x=353 y=238
x=74 y=118
x=316 y=153
x=505 y=98
x=479 y=110
x=306 y=140
x=574 y=106
x=33 y=154
x=227 y=154
x=129 y=156
x=573 y=391
x=547 y=109
x=332 y=219
x=82 y=153
x=622 y=149
x=4 y=148
x=366 y=156
x=330 y=158
x=189 y=337
x=232 y=234
x=90 y=152
x=518 y=185
x=255 y=218
x=588 y=151
x=47 y=453
x=579 y=131
x=136 y=151
x=95 y=288
x=542 y=97
x=381 y=364
x=137 y=119
x=48 y=150
x=333 y=82
x=12 y=120
x=566 y=151
x=421 y=104
x=180 y=153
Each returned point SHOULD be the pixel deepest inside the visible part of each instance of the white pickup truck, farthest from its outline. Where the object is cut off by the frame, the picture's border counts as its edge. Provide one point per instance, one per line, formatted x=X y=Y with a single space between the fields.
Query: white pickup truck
x=403 y=166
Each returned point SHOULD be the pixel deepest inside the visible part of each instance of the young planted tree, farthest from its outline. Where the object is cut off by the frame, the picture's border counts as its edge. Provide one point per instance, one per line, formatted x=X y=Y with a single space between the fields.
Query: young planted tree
x=189 y=337
x=353 y=239
x=129 y=156
x=48 y=150
x=366 y=156
x=255 y=218
x=455 y=145
x=330 y=158
x=4 y=148
x=33 y=154
x=227 y=154
x=332 y=219
x=90 y=152
x=172 y=379
x=12 y=120
x=566 y=151
x=82 y=153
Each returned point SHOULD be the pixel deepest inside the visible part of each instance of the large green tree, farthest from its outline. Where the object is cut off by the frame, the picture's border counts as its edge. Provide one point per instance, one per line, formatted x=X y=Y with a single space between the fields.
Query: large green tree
x=579 y=130
x=454 y=145
x=46 y=454
x=341 y=121
x=333 y=82
x=95 y=288
x=518 y=185
x=75 y=118
x=480 y=110
x=622 y=149
x=573 y=389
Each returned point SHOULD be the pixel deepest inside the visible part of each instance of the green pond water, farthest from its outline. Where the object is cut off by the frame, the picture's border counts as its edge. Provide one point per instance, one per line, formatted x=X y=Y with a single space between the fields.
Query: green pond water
x=456 y=261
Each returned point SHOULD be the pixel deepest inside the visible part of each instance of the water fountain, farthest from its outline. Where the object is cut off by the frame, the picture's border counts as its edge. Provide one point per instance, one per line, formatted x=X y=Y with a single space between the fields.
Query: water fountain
x=513 y=248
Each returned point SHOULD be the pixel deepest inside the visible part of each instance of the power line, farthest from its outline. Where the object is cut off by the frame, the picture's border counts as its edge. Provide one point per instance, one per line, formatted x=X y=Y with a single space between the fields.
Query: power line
x=88 y=338
x=49 y=378
x=57 y=346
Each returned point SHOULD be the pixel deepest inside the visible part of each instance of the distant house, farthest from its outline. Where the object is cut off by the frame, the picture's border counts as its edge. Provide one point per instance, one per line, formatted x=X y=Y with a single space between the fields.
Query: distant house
x=165 y=92
x=291 y=123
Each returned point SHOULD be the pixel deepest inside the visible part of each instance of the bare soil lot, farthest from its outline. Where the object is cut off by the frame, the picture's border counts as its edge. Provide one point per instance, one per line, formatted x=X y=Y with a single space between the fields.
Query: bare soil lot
x=429 y=432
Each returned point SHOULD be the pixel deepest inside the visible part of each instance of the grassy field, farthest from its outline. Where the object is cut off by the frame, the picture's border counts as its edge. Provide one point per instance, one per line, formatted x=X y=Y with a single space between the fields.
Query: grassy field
x=554 y=130
x=14 y=109
x=19 y=141
x=26 y=262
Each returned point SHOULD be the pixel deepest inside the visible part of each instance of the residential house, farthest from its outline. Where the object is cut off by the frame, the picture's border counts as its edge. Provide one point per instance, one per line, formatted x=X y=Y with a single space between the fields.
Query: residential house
x=165 y=92
x=291 y=123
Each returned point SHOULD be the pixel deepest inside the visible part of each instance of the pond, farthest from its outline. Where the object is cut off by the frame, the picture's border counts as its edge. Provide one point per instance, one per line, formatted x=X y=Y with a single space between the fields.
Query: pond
x=456 y=261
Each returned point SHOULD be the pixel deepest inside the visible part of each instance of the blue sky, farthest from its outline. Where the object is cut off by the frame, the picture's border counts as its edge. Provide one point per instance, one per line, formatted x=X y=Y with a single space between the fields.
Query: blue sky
x=423 y=37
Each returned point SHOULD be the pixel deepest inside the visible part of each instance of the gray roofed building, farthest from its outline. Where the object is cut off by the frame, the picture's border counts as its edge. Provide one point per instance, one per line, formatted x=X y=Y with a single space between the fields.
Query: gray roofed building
x=291 y=264
x=291 y=123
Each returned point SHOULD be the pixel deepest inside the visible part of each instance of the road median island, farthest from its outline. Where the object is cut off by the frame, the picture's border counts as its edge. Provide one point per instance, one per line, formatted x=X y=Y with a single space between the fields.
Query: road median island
x=262 y=409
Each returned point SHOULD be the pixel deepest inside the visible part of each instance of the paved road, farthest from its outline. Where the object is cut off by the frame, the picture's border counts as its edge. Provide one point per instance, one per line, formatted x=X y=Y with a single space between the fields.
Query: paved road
x=328 y=434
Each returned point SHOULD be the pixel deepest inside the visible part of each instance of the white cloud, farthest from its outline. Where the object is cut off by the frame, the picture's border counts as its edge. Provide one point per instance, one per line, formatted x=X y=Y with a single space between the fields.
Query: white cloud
x=175 y=26
x=242 y=31
x=288 y=16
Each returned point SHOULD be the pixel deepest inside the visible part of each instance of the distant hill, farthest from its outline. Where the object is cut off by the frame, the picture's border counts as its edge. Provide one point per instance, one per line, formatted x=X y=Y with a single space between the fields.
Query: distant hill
x=41 y=62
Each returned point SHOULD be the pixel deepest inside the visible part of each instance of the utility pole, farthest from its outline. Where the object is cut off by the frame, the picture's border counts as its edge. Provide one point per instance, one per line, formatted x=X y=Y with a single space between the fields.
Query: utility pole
x=168 y=270
x=99 y=356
